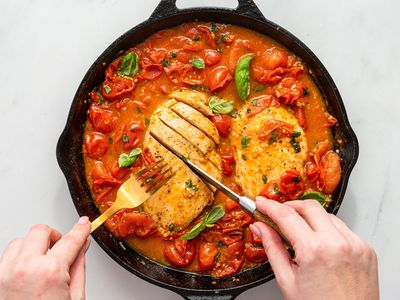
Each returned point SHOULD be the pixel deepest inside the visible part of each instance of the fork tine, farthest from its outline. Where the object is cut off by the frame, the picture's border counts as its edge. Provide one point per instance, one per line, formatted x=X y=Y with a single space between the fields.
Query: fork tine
x=152 y=173
x=160 y=183
x=145 y=170
x=155 y=180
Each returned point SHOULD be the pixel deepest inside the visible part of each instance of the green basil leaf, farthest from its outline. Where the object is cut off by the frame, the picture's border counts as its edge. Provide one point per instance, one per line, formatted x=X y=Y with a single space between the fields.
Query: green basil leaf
x=198 y=63
x=220 y=106
x=242 y=77
x=312 y=195
x=129 y=65
x=126 y=160
x=106 y=88
x=195 y=231
x=214 y=215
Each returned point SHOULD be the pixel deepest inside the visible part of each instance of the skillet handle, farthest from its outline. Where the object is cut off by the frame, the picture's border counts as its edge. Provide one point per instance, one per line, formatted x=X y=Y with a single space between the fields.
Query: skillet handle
x=245 y=7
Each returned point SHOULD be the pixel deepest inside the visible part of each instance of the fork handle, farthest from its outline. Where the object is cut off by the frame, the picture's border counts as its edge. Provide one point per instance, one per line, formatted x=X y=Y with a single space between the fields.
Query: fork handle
x=104 y=216
x=259 y=216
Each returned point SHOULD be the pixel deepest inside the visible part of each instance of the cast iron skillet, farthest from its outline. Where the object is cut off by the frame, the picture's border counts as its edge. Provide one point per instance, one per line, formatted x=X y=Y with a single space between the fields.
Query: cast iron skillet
x=70 y=158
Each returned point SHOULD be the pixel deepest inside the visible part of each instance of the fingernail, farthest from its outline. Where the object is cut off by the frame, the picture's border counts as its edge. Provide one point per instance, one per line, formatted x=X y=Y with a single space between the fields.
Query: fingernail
x=83 y=220
x=255 y=230
x=87 y=245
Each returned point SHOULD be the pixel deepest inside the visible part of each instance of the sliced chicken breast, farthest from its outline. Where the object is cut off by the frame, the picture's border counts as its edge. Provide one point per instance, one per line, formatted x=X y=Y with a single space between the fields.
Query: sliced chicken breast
x=258 y=157
x=194 y=99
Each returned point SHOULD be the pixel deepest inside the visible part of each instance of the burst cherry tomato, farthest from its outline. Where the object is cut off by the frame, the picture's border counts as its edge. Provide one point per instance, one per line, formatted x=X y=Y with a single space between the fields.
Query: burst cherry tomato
x=223 y=124
x=102 y=119
x=255 y=253
x=291 y=184
x=180 y=253
x=207 y=253
x=96 y=145
x=228 y=161
x=219 y=78
x=135 y=223
x=102 y=177
x=116 y=87
x=212 y=57
x=271 y=191
x=230 y=260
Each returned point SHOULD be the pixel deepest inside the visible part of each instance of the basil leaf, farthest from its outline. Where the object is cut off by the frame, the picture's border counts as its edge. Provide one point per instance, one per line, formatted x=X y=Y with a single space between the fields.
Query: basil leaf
x=220 y=106
x=129 y=65
x=214 y=215
x=106 y=88
x=198 y=63
x=208 y=221
x=242 y=77
x=244 y=141
x=312 y=195
x=126 y=160
x=195 y=231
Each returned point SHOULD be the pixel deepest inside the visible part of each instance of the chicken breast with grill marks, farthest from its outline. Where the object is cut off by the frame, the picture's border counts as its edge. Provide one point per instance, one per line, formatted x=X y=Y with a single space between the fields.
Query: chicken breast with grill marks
x=256 y=157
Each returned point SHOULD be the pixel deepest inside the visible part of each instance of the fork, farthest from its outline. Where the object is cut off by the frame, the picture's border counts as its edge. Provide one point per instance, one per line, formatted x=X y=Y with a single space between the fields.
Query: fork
x=136 y=190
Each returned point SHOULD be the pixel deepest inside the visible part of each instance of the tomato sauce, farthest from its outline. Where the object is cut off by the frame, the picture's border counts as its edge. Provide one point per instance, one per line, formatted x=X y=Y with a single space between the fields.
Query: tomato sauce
x=121 y=107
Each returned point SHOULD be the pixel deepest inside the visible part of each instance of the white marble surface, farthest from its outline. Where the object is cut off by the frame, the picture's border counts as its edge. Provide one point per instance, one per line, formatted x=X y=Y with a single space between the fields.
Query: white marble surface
x=47 y=46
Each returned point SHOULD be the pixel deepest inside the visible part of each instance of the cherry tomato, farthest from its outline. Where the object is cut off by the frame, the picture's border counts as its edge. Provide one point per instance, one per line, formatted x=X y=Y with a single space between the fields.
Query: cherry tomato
x=291 y=184
x=299 y=112
x=102 y=177
x=207 y=253
x=274 y=58
x=158 y=54
x=96 y=145
x=228 y=161
x=151 y=71
x=283 y=129
x=133 y=136
x=194 y=76
x=288 y=91
x=229 y=203
x=209 y=35
x=102 y=119
x=332 y=169
x=223 y=124
x=212 y=57
x=118 y=172
x=219 y=78
x=183 y=56
x=180 y=253
x=115 y=87
x=271 y=191
x=230 y=260
x=254 y=253
x=258 y=104
x=135 y=223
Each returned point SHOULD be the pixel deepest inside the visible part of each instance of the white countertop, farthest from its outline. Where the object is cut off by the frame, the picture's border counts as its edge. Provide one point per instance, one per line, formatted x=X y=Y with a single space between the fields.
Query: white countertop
x=46 y=48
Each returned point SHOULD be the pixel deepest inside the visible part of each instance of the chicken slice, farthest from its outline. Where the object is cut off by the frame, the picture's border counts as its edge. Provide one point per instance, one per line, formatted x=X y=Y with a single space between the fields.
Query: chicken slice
x=191 y=133
x=195 y=118
x=195 y=99
x=181 y=199
x=259 y=157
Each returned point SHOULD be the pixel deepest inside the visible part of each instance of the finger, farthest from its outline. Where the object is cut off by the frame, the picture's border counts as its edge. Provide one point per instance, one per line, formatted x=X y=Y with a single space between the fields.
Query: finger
x=277 y=254
x=342 y=227
x=77 y=273
x=292 y=225
x=11 y=251
x=68 y=247
x=313 y=213
x=39 y=239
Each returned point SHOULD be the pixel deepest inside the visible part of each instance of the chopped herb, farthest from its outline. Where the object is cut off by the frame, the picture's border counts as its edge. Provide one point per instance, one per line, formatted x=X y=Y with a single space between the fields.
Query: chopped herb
x=133 y=128
x=204 y=87
x=110 y=140
x=191 y=186
x=198 y=63
x=194 y=87
x=220 y=106
x=296 y=146
x=220 y=244
x=106 y=88
x=244 y=141
x=218 y=255
x=196 y=38
x=216 y=39
x=171 y=227
x=223 y=38
x=165 y=63
x=296 y=134
x=305 y=91
x=214 y=28
x=172 y=54
x=146 y=121
x=235 y=114
x=259 y=88
x=248 y=110
x=126 y=160
x=207 y=222
x=254 y=102
x=274 y=137
x=139 y=111
x=100 y=99
x=125 y=138
x=296 y=179
x=129 y=65
x=244 y=157
x=219 y=48
x=276 y=188
x=242 y=76
x=264 y=179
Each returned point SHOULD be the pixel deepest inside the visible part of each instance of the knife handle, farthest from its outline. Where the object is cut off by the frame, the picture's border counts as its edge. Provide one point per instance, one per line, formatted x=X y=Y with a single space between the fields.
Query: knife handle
x=259 y=216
